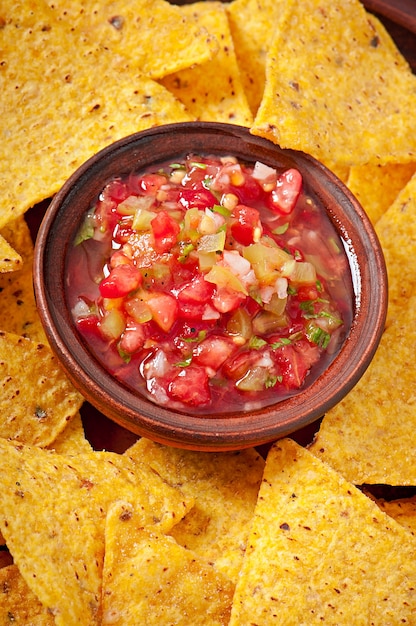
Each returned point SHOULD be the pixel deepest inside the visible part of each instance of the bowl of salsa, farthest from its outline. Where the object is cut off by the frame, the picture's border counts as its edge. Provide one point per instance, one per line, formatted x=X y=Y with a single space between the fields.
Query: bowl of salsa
x=207 y=289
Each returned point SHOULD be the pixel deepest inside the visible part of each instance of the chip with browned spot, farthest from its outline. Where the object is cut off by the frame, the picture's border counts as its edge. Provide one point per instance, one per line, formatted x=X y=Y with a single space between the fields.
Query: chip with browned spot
x=52 y=515
x=316 y=550
x=332 y=85
x=224 y=487
x=150 y=579
x=212 y=91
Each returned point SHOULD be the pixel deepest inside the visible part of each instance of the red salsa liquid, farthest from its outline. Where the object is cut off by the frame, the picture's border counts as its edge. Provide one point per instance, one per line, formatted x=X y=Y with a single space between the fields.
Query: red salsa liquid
x=208 y=285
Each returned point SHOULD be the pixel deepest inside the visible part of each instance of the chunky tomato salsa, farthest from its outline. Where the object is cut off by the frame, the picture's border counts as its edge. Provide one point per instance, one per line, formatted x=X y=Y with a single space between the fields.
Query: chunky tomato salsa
x=210 y=285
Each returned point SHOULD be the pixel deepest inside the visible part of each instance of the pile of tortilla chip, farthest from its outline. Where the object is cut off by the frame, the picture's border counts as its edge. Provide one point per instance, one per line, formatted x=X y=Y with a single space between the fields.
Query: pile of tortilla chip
x=295 y=534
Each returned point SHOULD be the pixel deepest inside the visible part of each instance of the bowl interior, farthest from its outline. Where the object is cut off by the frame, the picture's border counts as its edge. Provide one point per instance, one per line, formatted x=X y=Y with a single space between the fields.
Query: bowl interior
x=216 y=432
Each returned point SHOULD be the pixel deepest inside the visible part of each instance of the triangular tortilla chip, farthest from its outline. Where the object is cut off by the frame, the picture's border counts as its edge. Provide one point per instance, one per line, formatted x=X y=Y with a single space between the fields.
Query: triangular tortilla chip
x=52 y=515
x=403 y=510
x=253 y=25
x=153 y=35
x=396 y=230
x=212 y=91
x=150 y=579
x=18 y=311
x=320 y=551
x=224 y=487
x=36 y=406
x=10 y=260
x=370 y=436
x=332 y=85
x=55 y=113
x=72 y=439
x=376 y=186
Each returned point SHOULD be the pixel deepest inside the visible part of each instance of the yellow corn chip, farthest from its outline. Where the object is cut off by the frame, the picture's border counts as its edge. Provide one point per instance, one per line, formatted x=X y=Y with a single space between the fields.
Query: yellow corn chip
x=153 y=35
x=150 y=579
x=72 y=439
x=377 y=186
x=370 y=436
x=55 y=113
x=253 y=24
x=18 y=604
x=224 y=487
x=10 y=260
x=317 y=549
x=36 y=398
x=396 y=230
x=332 y=85
x=403 y=510
x=18 y=312
x=212 y=91
x=52 y=515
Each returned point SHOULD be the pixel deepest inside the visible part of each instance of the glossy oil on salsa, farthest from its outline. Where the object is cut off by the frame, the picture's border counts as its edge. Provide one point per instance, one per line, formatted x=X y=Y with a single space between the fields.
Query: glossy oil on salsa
x=209 y=285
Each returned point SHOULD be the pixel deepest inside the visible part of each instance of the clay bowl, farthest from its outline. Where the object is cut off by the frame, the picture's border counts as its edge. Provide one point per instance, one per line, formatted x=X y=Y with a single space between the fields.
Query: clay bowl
x=183 y=429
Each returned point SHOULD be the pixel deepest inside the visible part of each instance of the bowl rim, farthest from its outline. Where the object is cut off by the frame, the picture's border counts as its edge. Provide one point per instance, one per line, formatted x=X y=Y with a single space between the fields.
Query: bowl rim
x=205 y=432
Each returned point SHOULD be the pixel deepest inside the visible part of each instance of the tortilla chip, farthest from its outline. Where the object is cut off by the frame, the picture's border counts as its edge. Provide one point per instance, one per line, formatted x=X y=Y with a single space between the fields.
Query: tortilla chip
x=376 y=186
x=212 y=91
x=403 y=510
x=55 y=114
x=332 y=88
x=18 y=311
x=154 y=36
x=370 y=436
x=35 y=407
x=52 y=515
x=149 y=578
x=18 y=604
x=72 y=439
x=317 y=548
x=396 y=230
x=253 y=24
x=224 y=487
x=10 y=260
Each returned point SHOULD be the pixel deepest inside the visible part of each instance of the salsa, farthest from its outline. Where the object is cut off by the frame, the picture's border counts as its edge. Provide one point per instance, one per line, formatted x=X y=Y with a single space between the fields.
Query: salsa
x=210 y=285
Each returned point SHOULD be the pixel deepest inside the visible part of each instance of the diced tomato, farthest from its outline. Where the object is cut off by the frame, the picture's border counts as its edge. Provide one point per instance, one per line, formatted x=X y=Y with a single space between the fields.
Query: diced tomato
x=284 y=196
x=295 y=361
x=133 y=337
x=88 y=324
x=307 y=292
x=165 y=231
x=196 y=198
x=149 y=184
x=164 y=309
x=122 y=280
x=196 y=290
x=226 y=300
x=190 y=386
x=248 y=192
x=246 y=227
x=116 y=190
x=236 y=367
x=213 y=351
x=193 y=296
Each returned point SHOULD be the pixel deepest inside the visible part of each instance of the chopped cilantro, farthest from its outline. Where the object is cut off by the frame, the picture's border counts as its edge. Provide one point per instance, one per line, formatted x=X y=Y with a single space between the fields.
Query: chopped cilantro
x=199 y=337
x=272 y=381
x=185 y=363
x=318 y=336
x=283 y=341
x=280 y=230
x=207 y=182
x=256 y=342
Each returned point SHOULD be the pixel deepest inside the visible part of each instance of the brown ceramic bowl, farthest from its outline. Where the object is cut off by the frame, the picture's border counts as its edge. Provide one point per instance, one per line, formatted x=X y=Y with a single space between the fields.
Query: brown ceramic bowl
x=216 y=432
